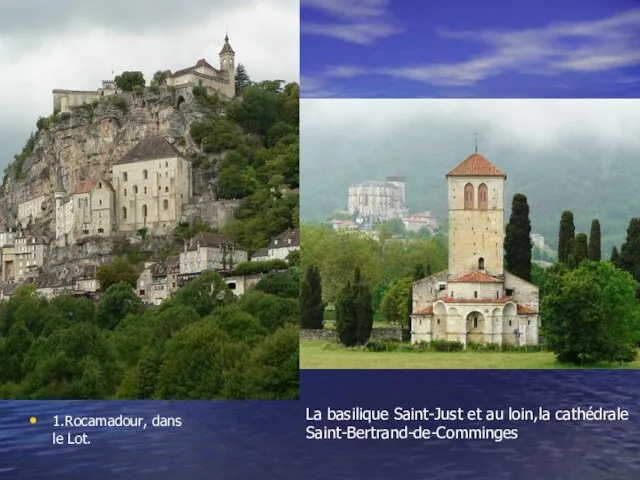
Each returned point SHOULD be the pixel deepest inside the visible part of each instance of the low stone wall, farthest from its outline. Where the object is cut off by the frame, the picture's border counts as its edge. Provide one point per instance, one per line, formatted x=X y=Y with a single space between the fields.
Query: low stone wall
x=393 y=334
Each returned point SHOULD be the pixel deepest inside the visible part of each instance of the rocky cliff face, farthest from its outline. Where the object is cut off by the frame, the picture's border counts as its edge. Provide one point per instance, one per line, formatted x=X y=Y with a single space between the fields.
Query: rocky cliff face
x=87 y=142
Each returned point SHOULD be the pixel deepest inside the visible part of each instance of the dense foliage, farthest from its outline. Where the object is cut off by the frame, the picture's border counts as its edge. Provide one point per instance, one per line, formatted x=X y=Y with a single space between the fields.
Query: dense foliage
x=590 y=314
x=311 y=302
x=517 y=242
x=566 y=236
x=595 y=250
x=204 y=343
x=129 y=81
x=354 y=312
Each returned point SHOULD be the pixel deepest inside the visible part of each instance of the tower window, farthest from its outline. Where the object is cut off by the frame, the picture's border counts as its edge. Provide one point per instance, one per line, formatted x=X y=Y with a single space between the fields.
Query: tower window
x=135 y=189
x=475 y=322
x=451 y=293
x=124 y=213
x=481 y=263
x=125 y=177
x=509 y=292
x=468 y=197
x=144 y=211
x=475 y=294
x=165 y=204
x=145 y=174
x=482 y=197
x=509 y=322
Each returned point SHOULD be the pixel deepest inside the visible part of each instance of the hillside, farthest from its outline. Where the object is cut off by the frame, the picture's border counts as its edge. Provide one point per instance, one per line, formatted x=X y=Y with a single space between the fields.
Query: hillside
x=243 y=153
x=592 y=179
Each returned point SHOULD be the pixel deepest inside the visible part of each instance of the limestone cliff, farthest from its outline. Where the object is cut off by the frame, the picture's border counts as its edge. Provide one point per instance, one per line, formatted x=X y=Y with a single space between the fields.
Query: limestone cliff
x=85 y=143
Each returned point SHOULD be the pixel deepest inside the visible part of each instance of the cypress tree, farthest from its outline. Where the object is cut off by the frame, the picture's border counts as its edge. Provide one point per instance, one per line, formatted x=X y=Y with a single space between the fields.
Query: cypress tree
x=517 y=242
x=630 y=251
x=346 y=321
x=579 y=252
x=311 y=304
x=363 y=309
x=615 y=257
x=565 y=236
x=595 y=252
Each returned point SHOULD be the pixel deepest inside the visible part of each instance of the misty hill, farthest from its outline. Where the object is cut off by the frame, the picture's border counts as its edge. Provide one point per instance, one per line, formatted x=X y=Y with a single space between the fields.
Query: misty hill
x=592 y=178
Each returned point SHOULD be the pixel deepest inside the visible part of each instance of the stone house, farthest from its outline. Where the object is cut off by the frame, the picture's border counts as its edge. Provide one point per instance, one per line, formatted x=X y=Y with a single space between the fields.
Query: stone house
x=260 y=255
x=210 y=251
x=158 y=281
x=475 y=300
x=29 y=255
x=8 y=263
x=152 y=183
x=284 y=244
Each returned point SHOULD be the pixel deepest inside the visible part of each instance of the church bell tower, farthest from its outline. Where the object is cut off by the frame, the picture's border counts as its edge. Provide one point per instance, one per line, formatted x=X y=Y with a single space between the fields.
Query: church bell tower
x=227 y=62
x=476 y=217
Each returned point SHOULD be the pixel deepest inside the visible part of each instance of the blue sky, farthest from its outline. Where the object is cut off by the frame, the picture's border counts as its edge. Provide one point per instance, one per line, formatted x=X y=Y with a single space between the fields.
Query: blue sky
x=464 y=48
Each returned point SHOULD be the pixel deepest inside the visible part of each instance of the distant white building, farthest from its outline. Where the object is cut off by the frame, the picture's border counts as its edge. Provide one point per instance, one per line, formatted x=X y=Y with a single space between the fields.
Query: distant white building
x=538 y=241
x=379 y=200
x=416 y=221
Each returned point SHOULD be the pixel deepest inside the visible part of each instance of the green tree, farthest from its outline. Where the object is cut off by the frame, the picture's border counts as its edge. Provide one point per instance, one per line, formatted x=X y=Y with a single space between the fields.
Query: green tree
x=395 y=301
x=363 y=309
x=120 y=270
x=565 y=236
x=13 y=350
x=128 y=81
x=242 y=78
x=580 y=250
x=311 y=303
x=346 y=317
x=517 y=242
x=116 y=303
x=590 y=314
x=273 y=369
x=159 y=78
x=272 y=312
x=615 y=257
x=280 y=284
x=595 y=252
x=630 y=251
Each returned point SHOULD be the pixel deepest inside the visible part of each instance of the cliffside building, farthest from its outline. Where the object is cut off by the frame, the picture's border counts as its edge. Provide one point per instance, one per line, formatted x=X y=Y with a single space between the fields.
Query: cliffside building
x=210 y=251
x=31 y=210
x=221 y=81
x=475 y=300
x=88 y=211
x=152 y=183
x=63 y=100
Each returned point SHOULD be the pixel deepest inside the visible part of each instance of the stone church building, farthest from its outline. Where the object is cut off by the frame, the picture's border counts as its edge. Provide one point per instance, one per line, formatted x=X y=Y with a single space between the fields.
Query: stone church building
x=475 y=300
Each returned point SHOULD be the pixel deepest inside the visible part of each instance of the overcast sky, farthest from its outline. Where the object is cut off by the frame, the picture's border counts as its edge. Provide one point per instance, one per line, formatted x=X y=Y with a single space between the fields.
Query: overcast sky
x=533 y=123
x=75 y=44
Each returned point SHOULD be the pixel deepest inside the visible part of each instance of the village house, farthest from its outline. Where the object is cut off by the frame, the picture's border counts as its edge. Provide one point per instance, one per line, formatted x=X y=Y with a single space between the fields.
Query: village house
x=159 y=280
x=210 y=251
x=31 y=210
x=285 y=243
x=28 y=255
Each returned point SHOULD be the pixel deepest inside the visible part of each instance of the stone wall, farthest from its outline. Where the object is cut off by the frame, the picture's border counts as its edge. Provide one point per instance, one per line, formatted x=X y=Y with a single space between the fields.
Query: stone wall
x=216 y=213
x=393 y=334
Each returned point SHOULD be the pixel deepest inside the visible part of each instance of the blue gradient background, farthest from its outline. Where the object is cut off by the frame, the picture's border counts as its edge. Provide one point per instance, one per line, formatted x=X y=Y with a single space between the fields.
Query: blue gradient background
x=266 y=440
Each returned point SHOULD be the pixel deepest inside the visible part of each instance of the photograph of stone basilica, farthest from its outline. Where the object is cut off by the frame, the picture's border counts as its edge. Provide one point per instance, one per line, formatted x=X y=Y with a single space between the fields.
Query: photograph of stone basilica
x=537 y=222
x=143 y=221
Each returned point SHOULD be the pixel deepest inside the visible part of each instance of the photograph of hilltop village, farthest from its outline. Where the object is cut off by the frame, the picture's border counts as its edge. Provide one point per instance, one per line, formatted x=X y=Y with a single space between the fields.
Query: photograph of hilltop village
x=469 y=285
x=149 y=244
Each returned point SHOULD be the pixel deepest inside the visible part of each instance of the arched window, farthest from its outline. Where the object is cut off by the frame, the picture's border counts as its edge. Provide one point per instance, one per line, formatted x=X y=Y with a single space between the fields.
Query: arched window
x=145 y=174
x=125 y=192
x=165 y=204
x=145 y=189
x=475 y=322
x=124 y=213
x=135 y=189
x=468 y=197
x=481 y=263
x=124 y=177
x=482 y=197
x=144 y=211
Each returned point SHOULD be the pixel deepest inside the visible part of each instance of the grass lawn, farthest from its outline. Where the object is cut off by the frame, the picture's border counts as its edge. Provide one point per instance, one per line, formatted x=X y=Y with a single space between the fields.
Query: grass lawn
x=330 y=355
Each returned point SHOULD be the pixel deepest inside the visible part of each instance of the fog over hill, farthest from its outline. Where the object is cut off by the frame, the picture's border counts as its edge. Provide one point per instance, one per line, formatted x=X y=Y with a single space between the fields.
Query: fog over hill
x=578 y=155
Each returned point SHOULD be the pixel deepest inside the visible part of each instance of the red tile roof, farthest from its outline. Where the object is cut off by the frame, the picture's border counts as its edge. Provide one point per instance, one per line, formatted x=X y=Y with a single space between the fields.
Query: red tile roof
x=475 y=300
x=474 y=276
x=84 y=187
x=476 y=166
x=424 y=311
x=522 y=310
